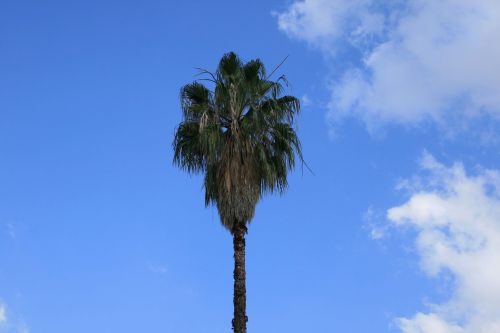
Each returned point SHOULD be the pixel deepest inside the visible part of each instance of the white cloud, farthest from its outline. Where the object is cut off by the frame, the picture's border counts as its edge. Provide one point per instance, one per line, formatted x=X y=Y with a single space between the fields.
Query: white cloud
x=319 y=22
x=8 y=324
x=457 y=219
x=3 y=315
x=423 y=323
x=433 y=60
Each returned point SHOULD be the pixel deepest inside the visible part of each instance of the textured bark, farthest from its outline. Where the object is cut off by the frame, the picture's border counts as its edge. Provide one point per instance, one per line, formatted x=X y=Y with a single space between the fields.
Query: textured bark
x=239 y=297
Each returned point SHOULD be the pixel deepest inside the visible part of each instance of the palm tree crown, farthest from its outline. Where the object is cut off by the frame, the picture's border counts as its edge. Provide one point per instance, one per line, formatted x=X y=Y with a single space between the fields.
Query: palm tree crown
x=240 y=134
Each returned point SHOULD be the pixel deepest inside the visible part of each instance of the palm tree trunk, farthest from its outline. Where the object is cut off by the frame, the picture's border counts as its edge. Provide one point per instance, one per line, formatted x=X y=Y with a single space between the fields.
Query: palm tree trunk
x=240 y=293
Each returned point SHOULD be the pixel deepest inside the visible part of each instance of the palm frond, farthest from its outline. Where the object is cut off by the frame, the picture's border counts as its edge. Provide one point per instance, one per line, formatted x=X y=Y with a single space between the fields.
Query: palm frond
x=240 y=135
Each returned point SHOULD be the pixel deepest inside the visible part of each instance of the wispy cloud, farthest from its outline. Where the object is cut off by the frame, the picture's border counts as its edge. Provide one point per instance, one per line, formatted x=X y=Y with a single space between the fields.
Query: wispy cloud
x=417 y=61
x=24 y=329
x=3 y=315
x=157 y=269
x=305 y=100
x=457 y=219
x=375 y=223
x=10 y=323
x=11 y=230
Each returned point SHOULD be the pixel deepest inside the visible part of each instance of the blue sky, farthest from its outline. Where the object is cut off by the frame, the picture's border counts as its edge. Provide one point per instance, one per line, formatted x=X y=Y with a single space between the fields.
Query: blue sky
x=396 y=231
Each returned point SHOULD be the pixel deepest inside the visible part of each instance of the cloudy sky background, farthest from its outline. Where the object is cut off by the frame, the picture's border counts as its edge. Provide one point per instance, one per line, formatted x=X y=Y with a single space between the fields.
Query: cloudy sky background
x=425 y=63
x=397 y=230
x=418 y=61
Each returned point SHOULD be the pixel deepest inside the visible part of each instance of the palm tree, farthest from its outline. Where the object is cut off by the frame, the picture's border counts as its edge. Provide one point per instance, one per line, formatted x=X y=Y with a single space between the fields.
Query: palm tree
x=239 y=134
